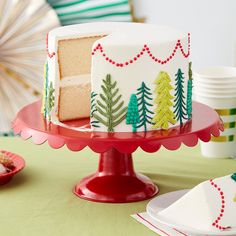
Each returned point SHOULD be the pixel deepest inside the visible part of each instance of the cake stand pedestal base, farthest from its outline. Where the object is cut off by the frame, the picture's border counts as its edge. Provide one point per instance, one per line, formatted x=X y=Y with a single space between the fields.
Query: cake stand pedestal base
x=115 y=181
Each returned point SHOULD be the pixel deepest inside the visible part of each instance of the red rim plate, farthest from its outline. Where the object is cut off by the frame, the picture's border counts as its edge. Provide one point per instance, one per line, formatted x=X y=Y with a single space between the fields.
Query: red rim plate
x=19 y=164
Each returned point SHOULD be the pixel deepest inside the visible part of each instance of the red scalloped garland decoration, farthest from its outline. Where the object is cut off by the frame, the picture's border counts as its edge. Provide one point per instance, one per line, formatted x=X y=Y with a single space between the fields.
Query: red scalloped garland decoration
x=145 y=49
x=222 y=210
x=50 y=55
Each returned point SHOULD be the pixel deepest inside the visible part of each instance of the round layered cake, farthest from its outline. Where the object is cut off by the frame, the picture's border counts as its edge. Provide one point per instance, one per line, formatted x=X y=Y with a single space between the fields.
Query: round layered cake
x=127 y=77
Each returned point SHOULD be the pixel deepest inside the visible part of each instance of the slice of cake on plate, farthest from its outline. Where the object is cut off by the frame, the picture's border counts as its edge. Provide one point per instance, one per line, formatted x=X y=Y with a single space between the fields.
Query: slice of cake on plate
x=126 y=77
x=209 y=207
x=6 y=164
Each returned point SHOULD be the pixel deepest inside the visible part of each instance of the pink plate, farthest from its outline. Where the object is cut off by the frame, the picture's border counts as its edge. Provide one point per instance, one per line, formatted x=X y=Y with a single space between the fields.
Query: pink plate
x=115 y=180
x=19 y=164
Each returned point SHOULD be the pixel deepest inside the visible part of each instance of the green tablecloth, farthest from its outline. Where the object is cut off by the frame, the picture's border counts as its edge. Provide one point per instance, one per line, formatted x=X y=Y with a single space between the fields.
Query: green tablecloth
x=39 y=200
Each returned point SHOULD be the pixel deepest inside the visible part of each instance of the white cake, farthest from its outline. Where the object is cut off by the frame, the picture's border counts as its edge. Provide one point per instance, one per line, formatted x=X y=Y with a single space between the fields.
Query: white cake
x=94 y=69
x=209 y=207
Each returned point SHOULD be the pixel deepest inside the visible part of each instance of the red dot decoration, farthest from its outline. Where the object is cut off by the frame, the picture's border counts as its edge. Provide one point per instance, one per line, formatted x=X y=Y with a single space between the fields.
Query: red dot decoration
x=222 y=207
x=50 y=55
x=147 y=50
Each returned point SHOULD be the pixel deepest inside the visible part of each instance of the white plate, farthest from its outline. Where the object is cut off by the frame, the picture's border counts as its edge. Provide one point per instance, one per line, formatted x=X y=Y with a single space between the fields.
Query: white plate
x=163 y=201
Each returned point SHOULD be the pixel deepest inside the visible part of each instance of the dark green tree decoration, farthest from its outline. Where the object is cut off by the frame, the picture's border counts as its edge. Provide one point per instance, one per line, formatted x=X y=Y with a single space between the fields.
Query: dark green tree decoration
x=45 y=91
x=110 y=109
x=50 y=100
x=94 y=123
x=144 y=98
x=132 y=116
x=189 y=91
x=180 y=106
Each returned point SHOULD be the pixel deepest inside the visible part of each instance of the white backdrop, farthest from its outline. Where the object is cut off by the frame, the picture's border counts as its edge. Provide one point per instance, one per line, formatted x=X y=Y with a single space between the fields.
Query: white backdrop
x=212 y=24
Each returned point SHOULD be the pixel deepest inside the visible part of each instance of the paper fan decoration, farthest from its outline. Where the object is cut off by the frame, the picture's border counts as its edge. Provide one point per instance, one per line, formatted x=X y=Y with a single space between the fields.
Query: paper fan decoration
x=23 y=28
x=81 y=11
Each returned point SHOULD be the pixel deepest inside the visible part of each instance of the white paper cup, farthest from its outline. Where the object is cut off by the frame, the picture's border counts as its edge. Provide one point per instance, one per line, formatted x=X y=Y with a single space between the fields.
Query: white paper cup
x=218 y=149
x=216 y=75
x=213 y=87
x=224 y=146
x=202 y=88
x=216 y=87
x=214 y=96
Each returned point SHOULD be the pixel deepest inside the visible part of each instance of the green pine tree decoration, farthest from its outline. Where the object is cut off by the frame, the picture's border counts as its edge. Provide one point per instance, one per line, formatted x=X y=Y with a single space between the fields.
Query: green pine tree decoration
x=45 y=90
x=50 y=100
x=163 y=112
x=144 y=96
x=94 y=123
x=189 y=91
x=132 y=116
x=110 y=109
x=180 y=106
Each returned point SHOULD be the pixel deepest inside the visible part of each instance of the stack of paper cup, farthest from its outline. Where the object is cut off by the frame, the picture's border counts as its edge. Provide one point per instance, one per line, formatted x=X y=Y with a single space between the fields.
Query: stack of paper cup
x=216 y=87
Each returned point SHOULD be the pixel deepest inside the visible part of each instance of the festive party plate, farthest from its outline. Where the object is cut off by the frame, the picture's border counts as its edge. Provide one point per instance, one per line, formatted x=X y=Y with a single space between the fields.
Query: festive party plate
x=19 y=164
x=163 y=201
x=24 y=25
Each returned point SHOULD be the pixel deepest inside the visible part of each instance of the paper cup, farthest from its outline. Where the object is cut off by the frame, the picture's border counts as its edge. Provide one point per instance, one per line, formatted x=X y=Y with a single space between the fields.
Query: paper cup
x=220 y=91
x=214 y=96
x=213 y=87
x=216 y=75
x=223 y=146
x=216 y=87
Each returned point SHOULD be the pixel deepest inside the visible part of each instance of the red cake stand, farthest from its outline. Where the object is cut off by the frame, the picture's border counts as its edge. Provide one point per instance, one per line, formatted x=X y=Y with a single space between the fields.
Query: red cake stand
x=115 y=180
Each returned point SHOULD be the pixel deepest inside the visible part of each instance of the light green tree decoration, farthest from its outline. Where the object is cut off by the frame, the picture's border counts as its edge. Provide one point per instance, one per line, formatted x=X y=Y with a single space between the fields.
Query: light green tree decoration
x=180 y=106
x=94 y=123
x=163 y=112
x=48 y=95
x=50 y=100
x=144 y=96
x=110 y=109
x=189 y=91
x=132 y=116
x=45 y=90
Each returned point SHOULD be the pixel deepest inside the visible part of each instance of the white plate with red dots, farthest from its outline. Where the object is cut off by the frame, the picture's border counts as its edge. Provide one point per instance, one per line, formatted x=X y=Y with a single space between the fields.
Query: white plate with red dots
x=161 y=202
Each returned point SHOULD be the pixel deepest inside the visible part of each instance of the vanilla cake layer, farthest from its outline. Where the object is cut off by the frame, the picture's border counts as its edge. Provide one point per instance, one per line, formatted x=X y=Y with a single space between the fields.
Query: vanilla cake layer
x=134 y=69
x=74 y=56
x=74 y=102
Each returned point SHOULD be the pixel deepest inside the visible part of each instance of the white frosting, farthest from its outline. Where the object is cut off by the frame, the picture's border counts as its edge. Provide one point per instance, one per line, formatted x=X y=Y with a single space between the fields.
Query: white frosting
x=122 y=43
x=75 y=80
x=201 y=206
